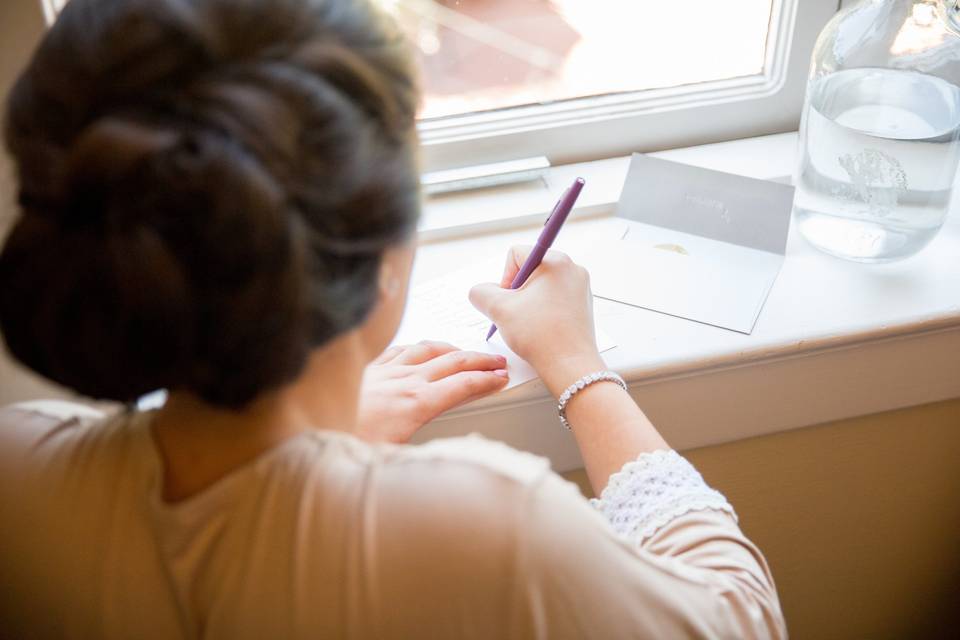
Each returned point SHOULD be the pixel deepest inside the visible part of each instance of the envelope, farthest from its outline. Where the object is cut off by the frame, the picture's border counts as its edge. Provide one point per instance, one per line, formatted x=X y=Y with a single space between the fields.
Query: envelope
x=697 y=244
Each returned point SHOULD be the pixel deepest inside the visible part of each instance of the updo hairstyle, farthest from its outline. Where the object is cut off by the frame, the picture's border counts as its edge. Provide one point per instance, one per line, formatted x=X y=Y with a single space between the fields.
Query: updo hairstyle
x=206 y=190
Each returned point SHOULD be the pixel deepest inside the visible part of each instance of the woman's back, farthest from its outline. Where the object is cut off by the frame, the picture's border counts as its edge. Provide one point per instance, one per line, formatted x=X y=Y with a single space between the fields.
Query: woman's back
x=327 y=536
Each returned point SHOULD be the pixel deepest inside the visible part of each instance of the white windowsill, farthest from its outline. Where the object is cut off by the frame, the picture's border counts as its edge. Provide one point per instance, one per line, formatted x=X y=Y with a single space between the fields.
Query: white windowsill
x=455 y=215
x=834 y=340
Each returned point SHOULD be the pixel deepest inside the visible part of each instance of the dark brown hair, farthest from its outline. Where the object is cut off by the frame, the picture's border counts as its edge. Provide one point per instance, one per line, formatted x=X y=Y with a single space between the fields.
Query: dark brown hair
x=206 y=187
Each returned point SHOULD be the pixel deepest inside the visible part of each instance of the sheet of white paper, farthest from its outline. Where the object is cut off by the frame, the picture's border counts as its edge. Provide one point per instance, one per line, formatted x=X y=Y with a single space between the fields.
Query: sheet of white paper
x=440 y=310
x=681 y=274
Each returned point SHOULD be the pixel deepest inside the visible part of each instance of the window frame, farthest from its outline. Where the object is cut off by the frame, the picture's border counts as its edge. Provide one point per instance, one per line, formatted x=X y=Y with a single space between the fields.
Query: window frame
x=599 y=127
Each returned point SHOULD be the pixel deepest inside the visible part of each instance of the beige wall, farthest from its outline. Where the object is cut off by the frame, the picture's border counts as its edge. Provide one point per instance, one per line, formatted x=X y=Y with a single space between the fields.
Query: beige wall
x=21 y=23
x=859 y=519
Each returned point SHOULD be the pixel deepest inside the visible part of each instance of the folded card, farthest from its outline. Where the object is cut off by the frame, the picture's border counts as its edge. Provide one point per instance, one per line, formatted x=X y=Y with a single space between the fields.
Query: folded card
x=439 y=309
x=696 y=243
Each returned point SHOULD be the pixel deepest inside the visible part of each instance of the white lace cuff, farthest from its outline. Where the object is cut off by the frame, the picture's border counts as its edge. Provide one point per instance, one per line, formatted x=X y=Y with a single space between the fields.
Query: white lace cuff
x=653 y=490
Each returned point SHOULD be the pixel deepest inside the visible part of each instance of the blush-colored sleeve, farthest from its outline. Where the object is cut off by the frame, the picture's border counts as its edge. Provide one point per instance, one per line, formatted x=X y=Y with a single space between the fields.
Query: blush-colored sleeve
x=658 y=555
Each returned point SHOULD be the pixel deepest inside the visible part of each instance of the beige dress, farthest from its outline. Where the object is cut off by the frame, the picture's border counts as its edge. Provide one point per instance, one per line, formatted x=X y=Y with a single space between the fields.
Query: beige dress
x=326 y=536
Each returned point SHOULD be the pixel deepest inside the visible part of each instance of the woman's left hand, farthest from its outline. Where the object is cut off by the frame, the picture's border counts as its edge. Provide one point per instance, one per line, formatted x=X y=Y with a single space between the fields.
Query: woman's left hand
x=407 y=387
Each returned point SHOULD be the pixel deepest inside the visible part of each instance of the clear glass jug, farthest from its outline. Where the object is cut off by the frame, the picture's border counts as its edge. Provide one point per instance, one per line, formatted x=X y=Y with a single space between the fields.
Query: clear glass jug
x=880 y=136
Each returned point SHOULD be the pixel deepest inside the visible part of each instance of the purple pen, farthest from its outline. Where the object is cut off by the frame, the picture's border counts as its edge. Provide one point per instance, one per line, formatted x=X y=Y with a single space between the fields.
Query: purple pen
x=561 y=211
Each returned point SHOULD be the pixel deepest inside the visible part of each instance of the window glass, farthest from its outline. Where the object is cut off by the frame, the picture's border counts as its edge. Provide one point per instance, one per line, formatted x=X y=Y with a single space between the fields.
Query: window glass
x=478 y=55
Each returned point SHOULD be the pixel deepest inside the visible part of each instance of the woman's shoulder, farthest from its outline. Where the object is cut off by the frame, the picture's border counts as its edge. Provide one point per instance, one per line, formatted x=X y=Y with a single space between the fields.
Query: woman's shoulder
x=35 y=434
x=63 y=463
x=458 y=479
x=478 y=453
x=59 y=410
x=452 y=506
x=470 y=521
x=27 y=425
x=439 y=462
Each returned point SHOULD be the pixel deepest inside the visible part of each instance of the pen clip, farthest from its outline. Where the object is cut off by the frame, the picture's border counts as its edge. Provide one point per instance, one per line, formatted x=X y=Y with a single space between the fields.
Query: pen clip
x=556 y=206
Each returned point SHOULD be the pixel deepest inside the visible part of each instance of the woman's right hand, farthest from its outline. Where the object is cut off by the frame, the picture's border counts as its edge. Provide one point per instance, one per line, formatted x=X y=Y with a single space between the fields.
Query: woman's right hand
x=549 y=320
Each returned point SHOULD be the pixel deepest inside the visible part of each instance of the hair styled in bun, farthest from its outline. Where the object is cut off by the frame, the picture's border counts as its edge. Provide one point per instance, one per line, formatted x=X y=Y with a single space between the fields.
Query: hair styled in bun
x=207 y=188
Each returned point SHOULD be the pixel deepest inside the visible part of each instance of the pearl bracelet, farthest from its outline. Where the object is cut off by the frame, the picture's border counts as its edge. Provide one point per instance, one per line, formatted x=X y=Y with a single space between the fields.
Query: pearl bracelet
x=580 y=385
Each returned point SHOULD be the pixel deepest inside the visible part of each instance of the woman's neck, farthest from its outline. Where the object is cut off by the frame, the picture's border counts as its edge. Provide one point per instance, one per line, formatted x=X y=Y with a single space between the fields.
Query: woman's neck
x=200 y=443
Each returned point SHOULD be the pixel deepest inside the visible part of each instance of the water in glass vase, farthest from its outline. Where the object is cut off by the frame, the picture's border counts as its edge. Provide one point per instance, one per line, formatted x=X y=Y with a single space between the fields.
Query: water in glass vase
x=879 y=151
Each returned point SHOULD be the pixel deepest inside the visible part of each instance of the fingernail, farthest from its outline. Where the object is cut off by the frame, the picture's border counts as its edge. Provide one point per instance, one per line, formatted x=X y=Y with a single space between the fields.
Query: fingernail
x=501 y=360
x=502 y=373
